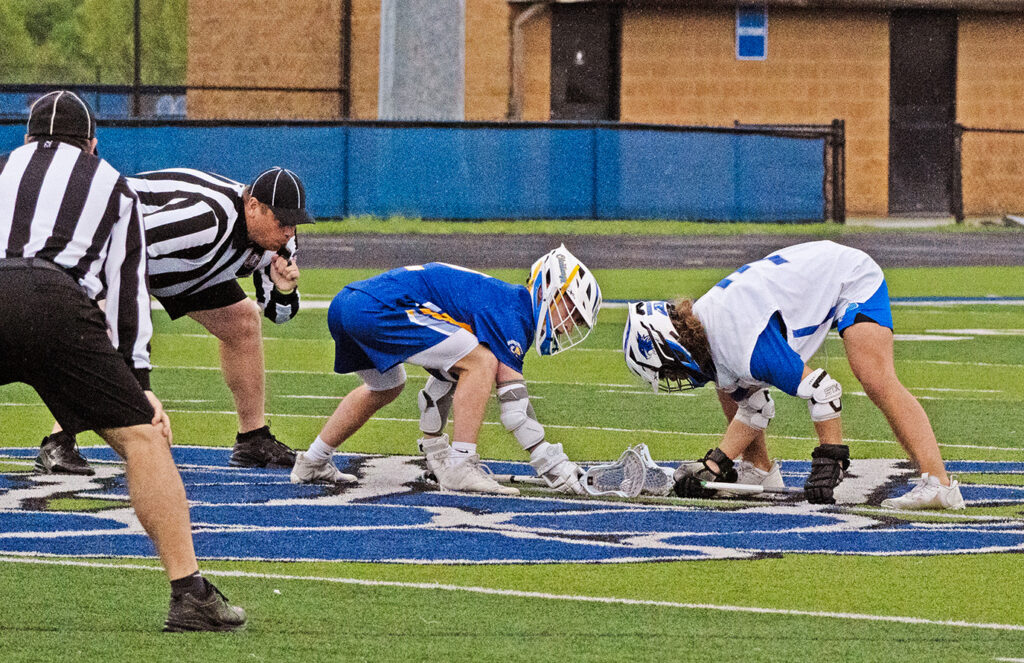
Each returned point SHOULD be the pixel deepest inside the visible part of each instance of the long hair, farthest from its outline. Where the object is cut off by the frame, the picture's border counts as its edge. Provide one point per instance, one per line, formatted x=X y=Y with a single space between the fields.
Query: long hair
x=691 y=333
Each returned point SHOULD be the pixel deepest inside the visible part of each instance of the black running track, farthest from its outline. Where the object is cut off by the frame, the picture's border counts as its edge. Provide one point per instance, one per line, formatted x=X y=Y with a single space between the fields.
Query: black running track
x=889 y=249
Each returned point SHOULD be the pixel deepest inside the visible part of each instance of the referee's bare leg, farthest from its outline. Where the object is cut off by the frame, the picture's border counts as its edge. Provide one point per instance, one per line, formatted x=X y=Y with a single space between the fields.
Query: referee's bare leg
x=239 y=330
x=157 y=494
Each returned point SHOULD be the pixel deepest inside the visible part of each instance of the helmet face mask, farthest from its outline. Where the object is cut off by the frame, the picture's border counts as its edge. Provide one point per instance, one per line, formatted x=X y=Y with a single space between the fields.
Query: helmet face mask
x=654 y=353
x=566 y=299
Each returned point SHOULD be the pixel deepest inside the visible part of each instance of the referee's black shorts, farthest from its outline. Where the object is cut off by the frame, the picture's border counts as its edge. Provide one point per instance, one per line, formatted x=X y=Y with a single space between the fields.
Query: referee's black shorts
x=217 y=296
x=54 y=338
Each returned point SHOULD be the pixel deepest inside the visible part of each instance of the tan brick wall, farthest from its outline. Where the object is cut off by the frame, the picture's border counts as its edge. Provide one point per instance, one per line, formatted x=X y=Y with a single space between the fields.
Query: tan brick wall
x=537 y=78
x=990 y=90
x=487 y=59
x=273 y=43
x=365 y=49
x=680 y=67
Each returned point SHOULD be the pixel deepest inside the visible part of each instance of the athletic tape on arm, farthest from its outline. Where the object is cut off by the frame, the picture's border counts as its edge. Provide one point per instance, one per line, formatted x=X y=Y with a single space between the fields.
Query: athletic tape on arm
x=823 y=395
x=517 y=414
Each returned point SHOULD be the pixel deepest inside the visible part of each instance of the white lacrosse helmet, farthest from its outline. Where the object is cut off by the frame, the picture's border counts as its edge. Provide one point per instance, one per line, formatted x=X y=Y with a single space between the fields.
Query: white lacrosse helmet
x=654 y=351
x=565 y=298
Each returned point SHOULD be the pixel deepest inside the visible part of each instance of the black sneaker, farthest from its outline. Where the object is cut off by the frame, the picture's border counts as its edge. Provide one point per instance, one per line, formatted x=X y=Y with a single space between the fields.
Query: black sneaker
x=58 y=454
x=259 y=448
x=210 y=613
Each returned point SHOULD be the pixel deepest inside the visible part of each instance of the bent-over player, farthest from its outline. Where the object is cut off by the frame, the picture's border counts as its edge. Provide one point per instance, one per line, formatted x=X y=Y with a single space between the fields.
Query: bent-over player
x=758 y=327
x=70 y=232
x=205 y=231
x=471 y=332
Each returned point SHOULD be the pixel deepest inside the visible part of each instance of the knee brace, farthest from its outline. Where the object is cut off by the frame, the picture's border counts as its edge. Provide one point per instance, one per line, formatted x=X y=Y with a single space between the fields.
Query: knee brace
x=823 y=395
x=517 y=414
x=435 y=401
x=756 y=410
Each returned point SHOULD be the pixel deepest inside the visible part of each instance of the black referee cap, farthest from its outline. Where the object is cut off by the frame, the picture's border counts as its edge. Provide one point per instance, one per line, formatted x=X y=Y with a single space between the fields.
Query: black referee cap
x=281 y=190
x=62 y=113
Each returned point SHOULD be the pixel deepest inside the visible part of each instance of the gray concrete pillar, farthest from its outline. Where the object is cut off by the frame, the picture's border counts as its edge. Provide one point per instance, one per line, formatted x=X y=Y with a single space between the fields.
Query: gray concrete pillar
x=422 y=60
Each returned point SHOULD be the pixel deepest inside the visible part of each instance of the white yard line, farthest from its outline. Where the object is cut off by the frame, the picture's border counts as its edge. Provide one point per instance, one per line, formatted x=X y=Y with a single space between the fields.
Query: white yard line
x=492 y=591
x=600 y=429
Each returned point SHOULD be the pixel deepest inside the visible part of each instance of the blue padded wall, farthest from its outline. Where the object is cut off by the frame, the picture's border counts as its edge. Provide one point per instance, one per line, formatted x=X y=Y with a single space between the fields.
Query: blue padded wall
x=492 y=171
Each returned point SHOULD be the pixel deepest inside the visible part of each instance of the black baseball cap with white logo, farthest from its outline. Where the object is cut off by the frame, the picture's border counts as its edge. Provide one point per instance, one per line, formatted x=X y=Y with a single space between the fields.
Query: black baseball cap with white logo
x=281 y=190
x=62 y=114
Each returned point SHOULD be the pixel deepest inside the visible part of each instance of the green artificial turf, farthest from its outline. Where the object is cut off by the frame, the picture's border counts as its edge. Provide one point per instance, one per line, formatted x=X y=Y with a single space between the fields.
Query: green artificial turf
x=972 y=390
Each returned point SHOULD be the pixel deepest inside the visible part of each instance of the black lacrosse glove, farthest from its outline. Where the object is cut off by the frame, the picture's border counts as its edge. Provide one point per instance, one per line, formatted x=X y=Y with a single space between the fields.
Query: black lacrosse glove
x=689 y=485
x=828 y=462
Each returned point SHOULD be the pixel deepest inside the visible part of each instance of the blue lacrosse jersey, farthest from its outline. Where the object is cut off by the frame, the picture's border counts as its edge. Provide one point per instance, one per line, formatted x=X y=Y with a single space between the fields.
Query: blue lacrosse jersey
x=499 y=314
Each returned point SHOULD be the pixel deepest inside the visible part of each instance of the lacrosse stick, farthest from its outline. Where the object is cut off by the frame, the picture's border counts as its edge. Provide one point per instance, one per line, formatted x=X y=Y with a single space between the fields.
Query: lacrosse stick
x=521 y=479
x=657 y=480
x=623 y=478
x=749 y=488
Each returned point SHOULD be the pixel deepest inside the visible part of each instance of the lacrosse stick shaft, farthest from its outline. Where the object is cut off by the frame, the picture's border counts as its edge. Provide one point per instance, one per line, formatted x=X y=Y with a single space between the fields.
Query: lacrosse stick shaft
x=749 y=489
x=520 y=479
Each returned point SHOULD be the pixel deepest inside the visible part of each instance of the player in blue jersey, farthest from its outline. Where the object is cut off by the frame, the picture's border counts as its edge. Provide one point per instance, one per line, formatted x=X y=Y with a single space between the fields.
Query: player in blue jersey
x=470 y=332
x=757 y=328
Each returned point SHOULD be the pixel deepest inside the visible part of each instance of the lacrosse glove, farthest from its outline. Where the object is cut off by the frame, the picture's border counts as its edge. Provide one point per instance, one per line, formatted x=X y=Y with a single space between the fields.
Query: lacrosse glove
x=554 y=466
x=689 y=477
x=828 y=462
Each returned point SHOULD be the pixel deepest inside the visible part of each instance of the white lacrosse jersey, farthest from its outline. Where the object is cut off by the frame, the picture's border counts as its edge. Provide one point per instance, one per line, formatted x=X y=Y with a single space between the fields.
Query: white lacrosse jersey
x=810 y=285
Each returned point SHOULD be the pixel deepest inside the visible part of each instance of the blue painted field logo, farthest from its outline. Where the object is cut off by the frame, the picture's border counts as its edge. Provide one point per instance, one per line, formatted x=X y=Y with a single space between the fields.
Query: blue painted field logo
x=391 y=517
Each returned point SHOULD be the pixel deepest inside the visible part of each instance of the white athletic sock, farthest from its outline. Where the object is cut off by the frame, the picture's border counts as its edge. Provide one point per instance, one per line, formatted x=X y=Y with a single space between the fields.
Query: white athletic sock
x=319 y=451
x=461 y=451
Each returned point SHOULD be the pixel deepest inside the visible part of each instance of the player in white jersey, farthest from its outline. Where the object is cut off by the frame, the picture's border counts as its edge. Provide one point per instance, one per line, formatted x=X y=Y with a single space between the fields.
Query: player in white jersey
x=759 y=327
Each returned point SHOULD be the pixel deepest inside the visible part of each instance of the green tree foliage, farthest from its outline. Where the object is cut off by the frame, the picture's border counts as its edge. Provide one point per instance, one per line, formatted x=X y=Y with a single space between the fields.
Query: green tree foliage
x=15 y=44
x=92 y=41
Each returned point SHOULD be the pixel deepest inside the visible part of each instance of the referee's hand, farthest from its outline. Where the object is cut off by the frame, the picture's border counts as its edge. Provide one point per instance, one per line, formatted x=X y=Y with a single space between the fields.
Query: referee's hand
x=284 y=273
x=160 y=418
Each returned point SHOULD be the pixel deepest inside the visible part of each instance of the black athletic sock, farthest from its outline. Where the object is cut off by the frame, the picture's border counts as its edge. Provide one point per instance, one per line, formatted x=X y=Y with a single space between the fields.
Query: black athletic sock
x=194 y=584
x=250 y=435
x=61 y=438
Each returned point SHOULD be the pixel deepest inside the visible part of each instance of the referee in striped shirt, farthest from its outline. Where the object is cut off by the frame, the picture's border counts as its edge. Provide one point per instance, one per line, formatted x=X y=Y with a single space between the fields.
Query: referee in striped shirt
x=205 y=231
x=70 y=234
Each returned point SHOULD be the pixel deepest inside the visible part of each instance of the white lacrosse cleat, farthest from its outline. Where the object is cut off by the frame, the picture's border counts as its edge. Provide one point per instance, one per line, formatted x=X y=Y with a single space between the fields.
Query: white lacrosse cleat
x=305 y=471
x=469 y=476
x=928 y=494
x=747 y=474
x=772 y=478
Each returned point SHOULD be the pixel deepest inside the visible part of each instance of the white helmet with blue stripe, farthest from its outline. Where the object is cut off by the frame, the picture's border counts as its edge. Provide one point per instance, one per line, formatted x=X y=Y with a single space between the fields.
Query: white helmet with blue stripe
x=654 y=351
x=565 y=298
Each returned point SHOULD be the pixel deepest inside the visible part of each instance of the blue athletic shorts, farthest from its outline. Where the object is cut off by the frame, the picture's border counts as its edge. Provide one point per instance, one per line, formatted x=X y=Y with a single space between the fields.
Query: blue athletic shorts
x=370 y=334
x=875 y=309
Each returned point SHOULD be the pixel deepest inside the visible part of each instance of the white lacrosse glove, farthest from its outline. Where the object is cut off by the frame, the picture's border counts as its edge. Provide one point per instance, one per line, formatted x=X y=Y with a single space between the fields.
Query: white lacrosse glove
x=552 y=465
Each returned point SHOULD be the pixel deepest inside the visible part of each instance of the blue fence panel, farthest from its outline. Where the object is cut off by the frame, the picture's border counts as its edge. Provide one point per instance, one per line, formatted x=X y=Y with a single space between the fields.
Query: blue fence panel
x=11 y=136
x=644 y=173
x=485 y=172
x=316 y=154
x=780 y=179
x=470 y=173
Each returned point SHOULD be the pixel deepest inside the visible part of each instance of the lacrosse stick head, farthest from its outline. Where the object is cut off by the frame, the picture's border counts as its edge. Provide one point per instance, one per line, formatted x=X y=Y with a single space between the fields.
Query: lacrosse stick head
x=565 y=298
x=657 y=480
x=654 y=352
x=623 y=478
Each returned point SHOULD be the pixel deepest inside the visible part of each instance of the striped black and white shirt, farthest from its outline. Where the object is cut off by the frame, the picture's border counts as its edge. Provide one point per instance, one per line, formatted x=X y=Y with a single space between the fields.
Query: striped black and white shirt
x=61 y=204
x=197 y=238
